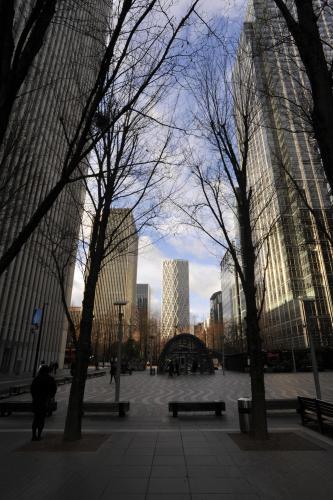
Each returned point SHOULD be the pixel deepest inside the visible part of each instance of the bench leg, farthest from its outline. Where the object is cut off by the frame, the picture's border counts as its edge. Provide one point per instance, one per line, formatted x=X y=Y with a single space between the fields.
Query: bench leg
x=218 y=413
x=122 y=413
x=174 y=413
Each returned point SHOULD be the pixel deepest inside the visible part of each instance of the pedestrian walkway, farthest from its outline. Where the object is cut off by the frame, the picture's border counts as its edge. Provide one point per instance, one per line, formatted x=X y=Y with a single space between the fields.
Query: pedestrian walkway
x=150 y=455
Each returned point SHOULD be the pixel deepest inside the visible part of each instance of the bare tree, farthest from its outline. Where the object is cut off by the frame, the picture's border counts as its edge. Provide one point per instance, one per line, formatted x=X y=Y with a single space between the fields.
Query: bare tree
x=143 y=40
x=305 y=21
x=122 y=175
x=18 y=50
x=230 y=192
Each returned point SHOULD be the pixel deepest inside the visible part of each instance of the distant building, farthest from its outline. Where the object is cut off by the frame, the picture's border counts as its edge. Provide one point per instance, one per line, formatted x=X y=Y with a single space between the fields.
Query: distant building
x=216 y=322
x=233 y=308
x=117 y=282
x=143 y=323
x=76 y=313
x=175 y=298
x=199 y=331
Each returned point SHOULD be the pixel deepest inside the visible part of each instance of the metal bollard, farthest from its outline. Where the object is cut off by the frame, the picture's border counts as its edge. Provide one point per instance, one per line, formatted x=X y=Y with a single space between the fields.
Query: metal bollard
x=244 y=413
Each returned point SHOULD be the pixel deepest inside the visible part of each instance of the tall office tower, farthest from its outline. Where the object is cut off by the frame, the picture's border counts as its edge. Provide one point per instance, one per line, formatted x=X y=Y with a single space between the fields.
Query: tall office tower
x=44 y=117
x=117 y=281
x=175 y=299
x=216 y=321
x=143 y=305
x=233 y=307
x=299 y=277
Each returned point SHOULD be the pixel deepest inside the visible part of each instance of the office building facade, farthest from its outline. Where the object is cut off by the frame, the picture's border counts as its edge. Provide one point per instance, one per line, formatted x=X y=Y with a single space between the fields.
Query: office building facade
x=143 y=306
x=117 y=282
x=175 y=298
x=45 y=115
x=216 y=321
x=300 y=260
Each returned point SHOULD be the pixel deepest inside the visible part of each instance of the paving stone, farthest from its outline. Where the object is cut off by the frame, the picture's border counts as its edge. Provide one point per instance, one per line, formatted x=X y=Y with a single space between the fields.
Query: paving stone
x=168 y=471
x=131 y=485
x=213 y=471
x=220 y=485
x=135 y=464
x=168 y=485
x=168 y=460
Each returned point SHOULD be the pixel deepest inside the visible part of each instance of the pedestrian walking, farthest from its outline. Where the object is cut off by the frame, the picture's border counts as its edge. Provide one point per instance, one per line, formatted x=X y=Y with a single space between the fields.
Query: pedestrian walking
x=43 y=389
x=113 y=370
x=170 y=368
x=55 y=367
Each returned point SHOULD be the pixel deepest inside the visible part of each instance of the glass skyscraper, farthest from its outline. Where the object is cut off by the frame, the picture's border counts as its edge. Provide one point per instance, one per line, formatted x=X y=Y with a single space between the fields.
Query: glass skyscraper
x=300 y=259
x=175 y=299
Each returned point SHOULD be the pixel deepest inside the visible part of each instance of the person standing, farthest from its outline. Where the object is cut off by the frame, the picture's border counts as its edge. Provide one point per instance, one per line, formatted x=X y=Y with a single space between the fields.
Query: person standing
x=113 y=370
x=43 y=389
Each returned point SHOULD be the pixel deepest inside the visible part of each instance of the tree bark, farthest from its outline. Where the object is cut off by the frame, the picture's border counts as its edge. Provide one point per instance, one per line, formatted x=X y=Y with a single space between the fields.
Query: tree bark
x=73 y=425
x=259 y=418
x=16 y=61
x=306 y=35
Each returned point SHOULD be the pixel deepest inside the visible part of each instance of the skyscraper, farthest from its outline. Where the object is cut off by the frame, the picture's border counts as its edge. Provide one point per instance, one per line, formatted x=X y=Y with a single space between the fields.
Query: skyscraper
x=117 y=280
x=143 y=305
x=300 y=266
x=44 y=117
x=216 y=323
x=175 y=299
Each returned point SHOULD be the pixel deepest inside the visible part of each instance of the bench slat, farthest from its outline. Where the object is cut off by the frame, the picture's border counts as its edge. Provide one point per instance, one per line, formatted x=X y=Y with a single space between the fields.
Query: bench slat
x=120 y=407
x=8 y=407
x=176 y=406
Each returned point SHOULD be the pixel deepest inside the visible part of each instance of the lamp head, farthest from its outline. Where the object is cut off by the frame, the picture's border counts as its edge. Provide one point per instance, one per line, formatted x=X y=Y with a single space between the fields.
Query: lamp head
x=120 y=303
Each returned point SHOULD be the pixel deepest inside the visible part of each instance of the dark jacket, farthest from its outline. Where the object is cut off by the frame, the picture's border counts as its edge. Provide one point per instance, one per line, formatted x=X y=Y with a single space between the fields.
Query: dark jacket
x=43 y=388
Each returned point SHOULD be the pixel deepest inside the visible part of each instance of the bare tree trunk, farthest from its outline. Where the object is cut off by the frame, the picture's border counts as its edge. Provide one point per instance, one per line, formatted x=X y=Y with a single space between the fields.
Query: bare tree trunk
x=306 y=35
x=73 y=424
x=17 y=59
x=74 y=412
x=259 y=418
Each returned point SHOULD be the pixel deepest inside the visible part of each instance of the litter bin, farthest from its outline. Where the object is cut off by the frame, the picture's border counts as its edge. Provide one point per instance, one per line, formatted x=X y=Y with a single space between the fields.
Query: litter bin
x=244 y=412
x=152 y=371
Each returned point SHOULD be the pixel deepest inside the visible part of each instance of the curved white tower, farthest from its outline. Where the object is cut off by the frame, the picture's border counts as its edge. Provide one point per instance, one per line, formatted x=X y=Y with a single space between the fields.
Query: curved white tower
x=175 y=299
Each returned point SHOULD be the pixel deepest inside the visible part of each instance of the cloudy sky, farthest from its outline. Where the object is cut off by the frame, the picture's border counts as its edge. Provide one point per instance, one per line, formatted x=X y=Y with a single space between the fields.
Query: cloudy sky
x=183 y=243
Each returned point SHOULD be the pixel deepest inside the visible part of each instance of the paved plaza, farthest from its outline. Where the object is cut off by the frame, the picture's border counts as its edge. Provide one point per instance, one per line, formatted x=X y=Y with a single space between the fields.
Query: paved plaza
x=149 y=455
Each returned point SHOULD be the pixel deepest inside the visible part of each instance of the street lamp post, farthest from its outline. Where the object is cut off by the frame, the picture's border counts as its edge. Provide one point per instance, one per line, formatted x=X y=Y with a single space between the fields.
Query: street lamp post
x=119 y=304
x=304 y=302
x=39 y=339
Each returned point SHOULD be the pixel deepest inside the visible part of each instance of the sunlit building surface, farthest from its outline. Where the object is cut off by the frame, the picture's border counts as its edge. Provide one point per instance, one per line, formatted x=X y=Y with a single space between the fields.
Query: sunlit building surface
x=117 y=281
x=43 y=119
x=216 y=321
x=143 y=305
x=175 y=298
x=300 y=262
x=233 y=307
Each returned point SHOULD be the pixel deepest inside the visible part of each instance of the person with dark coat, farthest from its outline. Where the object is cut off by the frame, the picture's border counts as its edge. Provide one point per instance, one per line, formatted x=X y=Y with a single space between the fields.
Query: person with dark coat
x=113 y=371
x=43 y=389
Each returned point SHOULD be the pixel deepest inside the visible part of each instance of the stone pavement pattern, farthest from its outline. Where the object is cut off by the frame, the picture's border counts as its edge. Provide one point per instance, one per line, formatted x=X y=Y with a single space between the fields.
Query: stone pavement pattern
x=151 y=456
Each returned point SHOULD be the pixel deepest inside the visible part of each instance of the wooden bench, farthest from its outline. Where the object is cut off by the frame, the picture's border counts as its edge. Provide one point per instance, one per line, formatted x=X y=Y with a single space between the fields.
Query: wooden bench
x=316 y=410
x=16 y=390
x=8 y=407
x=282 y=404
x=176 y=406
x=120 y=407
